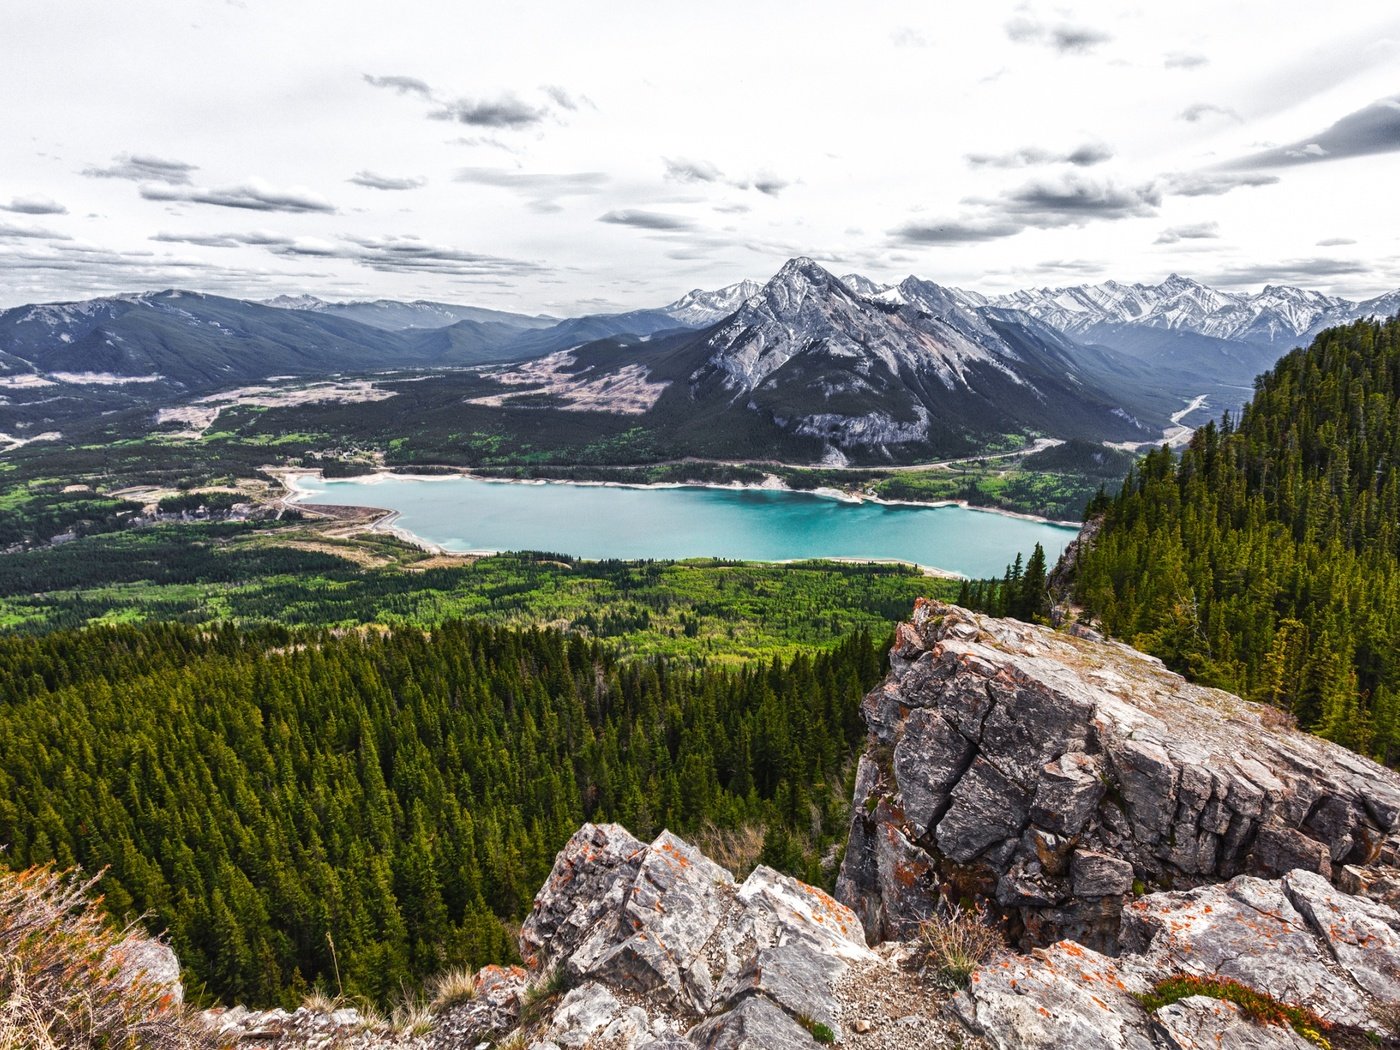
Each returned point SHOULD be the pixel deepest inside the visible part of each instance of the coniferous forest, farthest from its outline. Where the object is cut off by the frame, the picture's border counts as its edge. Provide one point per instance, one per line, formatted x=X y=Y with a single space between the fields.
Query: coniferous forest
x=1266 y=560
x=357 y=810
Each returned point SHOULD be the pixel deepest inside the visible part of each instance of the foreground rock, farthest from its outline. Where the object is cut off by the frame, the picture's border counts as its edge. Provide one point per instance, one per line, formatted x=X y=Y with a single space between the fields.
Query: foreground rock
x=1052 y=775
x=1297 y=940
x=635 y=946
x=690 y=950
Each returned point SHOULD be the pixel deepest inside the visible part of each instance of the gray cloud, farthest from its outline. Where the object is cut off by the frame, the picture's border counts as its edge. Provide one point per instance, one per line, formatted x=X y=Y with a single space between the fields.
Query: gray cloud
x=9 y=231
x=139 y=168
x=770 y=184
x=1064 y=37
x=402 y=85
x=543 y=190
x=563 y=99
x=1084 y=156
x=387 y=182
x=1074 y=199
x=1198 y=111
x=411 y=255
x=1198 y=231
x=34 y=206
x=1071 y=198
x=1185 y=60
x=251 y=196
x=1078 y=266
x=388 y=254
x=1370 y=130
x=1214 y=183
x=1302 y=270
x=955 y=231
x=907 y=36
x=1334 y=242
x=645 y=220
x=681 y=169
x=690 y=170
x=45 y=271
x=225 y=240
x=503 y=111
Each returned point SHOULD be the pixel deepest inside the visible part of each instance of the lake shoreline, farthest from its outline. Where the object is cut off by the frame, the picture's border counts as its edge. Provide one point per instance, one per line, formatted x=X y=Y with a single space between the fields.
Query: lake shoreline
x=771 y=484
x=298 y=488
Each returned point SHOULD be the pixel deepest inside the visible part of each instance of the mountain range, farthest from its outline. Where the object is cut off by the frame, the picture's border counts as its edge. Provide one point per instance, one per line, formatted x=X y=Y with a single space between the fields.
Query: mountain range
x=839 y=367
x=810 y=365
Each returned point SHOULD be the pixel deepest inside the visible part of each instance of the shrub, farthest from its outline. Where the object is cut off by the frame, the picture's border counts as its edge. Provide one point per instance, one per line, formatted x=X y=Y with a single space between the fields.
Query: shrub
x=820 y=1032
x=62 y=982
x=956 y=941
x=1257 y=1006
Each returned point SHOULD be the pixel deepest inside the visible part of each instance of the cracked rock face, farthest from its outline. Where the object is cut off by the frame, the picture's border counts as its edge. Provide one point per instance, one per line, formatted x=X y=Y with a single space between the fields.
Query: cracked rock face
x=695 y=954
x=1050 y=774
x=1297 y=939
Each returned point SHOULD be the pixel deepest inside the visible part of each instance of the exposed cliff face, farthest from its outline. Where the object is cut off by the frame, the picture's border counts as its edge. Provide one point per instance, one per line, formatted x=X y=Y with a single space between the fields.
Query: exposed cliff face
x=1052 y=774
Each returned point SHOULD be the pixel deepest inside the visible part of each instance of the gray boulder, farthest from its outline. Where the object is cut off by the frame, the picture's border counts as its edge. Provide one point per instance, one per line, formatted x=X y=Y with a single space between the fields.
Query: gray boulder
x=1334 y=955
x=152 y=964
x=1050 y=773
x=661 y=926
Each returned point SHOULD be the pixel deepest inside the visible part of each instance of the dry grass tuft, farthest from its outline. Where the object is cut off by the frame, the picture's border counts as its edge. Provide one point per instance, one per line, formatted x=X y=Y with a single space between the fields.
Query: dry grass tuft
x=735 y=849
x=61 y=980
x=454 y=988
x=412 y=1018
x=321 y=1003
x=957 y=941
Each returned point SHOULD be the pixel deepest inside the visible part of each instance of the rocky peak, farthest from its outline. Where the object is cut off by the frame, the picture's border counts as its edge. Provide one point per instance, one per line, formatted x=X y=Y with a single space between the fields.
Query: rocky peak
x=1054 y=776
x=700 y=307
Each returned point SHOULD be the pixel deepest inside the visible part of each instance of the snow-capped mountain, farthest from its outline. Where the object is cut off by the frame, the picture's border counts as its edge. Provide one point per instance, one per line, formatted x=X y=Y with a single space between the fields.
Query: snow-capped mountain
x=1276 y=315
x=698 y=307
x=862 y=285
x=809 y=367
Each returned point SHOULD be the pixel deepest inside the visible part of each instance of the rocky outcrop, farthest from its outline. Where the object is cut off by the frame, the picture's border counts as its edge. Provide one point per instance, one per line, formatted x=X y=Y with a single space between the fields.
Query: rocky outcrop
x=1121 y=825
x=1053 y=776
x=686 y=947
x=1297 y=940
x=635 y=946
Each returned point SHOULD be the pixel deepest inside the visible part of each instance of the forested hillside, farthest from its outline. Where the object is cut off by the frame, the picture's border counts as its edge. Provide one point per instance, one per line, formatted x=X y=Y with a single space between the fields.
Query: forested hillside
x=363 y=808
x=1267 y=561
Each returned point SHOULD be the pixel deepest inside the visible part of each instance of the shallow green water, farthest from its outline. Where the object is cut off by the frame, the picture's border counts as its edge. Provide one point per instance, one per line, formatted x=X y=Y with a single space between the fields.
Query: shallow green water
x=463 y=514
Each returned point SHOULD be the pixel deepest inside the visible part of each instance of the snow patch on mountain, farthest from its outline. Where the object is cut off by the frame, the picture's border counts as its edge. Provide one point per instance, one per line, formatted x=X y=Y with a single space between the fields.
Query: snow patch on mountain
x=806 y=311
x=1278 y=313
x=698 y=307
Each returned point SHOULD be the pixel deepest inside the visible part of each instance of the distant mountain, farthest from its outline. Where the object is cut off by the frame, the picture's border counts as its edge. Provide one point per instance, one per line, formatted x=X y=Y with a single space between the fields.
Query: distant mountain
x=1276 y=316
x=393 y=315
x=189 y=341
x=186 y=342
x=699 y=308
x=808 y=364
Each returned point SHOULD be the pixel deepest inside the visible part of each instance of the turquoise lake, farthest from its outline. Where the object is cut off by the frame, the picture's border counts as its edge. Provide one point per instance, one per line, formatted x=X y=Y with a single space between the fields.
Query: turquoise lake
x=594 y=521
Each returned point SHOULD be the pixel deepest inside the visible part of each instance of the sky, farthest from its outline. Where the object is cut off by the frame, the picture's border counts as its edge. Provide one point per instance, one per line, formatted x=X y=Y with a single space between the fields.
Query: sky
x=571 y=157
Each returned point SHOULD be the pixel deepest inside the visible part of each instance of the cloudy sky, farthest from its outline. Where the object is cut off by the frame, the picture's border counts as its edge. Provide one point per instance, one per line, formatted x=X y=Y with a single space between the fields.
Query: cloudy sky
x=566 y=156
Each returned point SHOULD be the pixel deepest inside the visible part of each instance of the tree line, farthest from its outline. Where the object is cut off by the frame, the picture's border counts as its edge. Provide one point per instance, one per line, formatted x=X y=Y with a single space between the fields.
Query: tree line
x=1266 y=559
x=358 y=809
